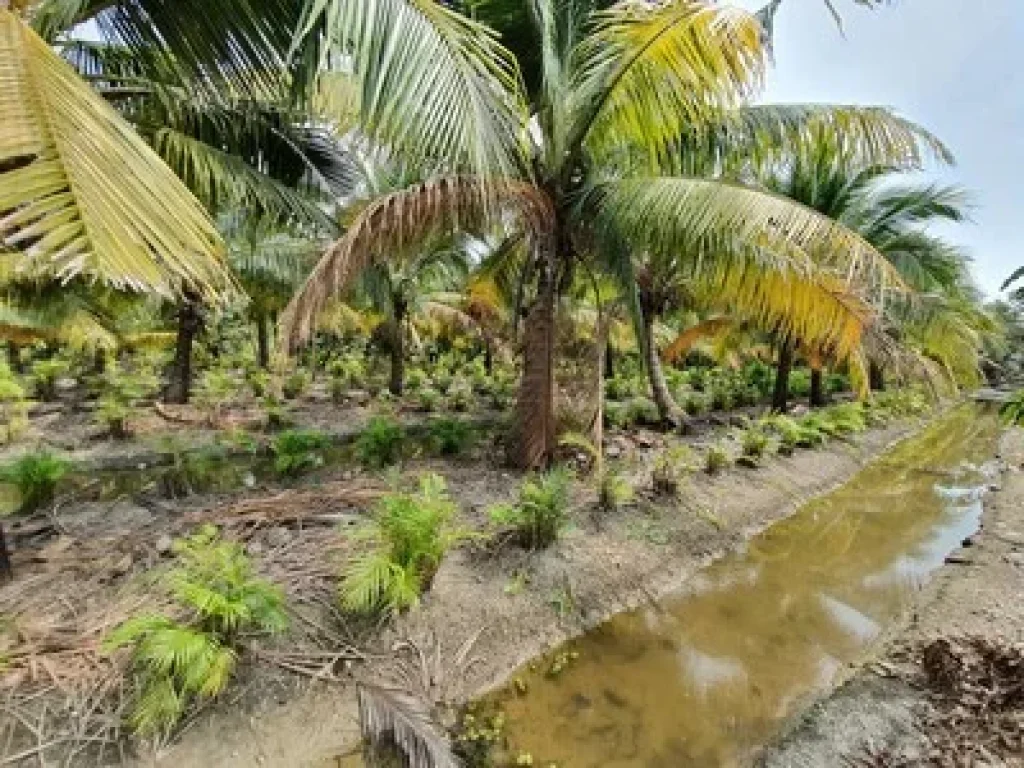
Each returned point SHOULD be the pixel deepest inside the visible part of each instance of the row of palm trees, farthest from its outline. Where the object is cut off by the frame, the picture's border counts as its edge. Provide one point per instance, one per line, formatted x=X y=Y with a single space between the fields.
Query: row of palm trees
x=611 y=155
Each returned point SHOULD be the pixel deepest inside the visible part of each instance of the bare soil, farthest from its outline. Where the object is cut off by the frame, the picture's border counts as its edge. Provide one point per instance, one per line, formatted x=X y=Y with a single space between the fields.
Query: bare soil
x=947 y=686
x=294 y=700
x=520 y=604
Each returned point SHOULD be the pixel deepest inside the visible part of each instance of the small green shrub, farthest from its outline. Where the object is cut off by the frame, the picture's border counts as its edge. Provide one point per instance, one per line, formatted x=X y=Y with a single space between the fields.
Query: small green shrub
x=349 y=371
x=122 y=392
x=297 y=451
x=296 y=384
x=380 y=444
x=671 y=468
x=45 y=374
x=696 y=403
x=800 y=382
x=616 y=415
x=836 y=383
x=754 y=442
x=215 y=392
x=623 y=387
x=613 y=490
x=415 y=379
x=13 y=407
x=177 y=662
x=259 y=382
x=442 y=381
x=847 y=418
x=721 y=398
x=642 y=411
x=716 y=459
x=542 y=510
x=403 y=546
x=275 y=412
x=35 y=476
x=428 y=399
x=460 y=395
x=450 y=437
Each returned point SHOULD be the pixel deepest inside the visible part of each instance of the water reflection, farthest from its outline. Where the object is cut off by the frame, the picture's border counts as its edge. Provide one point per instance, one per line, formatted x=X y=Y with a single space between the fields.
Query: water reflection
x=704 y=678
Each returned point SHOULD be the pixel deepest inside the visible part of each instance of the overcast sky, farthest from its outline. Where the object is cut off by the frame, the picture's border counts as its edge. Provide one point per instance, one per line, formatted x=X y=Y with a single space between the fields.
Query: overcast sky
x=955 y=66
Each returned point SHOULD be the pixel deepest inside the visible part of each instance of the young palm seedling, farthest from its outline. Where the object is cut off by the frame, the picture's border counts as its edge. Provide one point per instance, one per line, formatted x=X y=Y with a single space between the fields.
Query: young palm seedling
x=402 y=548
x=542 y=510
x=190 y=655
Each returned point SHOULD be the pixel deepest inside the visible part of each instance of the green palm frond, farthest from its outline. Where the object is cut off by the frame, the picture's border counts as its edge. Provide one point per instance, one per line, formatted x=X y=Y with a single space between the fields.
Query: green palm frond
x=649 y=70
x=367 y=580
x=82 y=194
x=683 y=216
x=433 y=82
x=223 y=180
x=865 y=136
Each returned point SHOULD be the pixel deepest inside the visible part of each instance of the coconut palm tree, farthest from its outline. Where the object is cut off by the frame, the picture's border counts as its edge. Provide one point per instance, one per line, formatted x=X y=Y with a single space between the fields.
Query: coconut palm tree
x=624 y=91
x=941 y=310
x=271 y=262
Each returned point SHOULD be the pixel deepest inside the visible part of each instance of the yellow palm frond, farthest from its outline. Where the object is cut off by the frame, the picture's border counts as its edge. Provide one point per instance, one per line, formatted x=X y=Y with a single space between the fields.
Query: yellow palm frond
x=82 y=194
x=819 y=310
x=650 y=69
x=685 y=340
x=681 y=215
x=341 y=318
x=404 y=219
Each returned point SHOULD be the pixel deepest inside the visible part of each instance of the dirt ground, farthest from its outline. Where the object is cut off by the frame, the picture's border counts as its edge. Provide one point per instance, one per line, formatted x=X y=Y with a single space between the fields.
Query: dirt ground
x=294 y=700
x=892 y=712
x=518 y=604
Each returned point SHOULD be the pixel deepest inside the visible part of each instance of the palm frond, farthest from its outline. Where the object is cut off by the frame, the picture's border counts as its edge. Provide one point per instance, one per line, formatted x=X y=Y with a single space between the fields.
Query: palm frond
x=82 y=194
x=650 y=69
x=863 y=136
x=433 y=82
x=392 y=717
x=222 y=181
x=687 y=217
x=399 y=220
x=683 y=342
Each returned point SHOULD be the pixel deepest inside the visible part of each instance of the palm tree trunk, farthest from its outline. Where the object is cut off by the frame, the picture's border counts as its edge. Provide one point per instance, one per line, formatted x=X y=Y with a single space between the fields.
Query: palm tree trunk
x=669 y=411
x=817 y=387
x=263 y=341
x=533 y=442
x=488 y=356
x=397 y=383
x=190 y=322
x=14 y=357
x=609 y=360
x=6 y=572
x=876 y=377
x=780 y=397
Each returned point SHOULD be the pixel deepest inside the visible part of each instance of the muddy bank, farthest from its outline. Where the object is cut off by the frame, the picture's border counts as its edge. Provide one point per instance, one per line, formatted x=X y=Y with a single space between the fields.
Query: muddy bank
x=521 y=604
x=886 y=711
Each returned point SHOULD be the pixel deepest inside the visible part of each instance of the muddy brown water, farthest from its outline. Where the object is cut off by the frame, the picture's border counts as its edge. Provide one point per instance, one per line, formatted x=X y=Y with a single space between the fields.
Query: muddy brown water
x=706 y=677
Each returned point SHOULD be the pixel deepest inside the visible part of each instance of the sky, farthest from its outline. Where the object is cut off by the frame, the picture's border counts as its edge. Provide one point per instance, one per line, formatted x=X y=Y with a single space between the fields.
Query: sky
x=954 y=66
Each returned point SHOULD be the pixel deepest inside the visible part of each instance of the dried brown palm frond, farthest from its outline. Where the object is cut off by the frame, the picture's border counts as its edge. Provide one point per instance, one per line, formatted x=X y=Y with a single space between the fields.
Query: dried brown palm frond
x=685 y=340
x=405 y=219
x=391 y=717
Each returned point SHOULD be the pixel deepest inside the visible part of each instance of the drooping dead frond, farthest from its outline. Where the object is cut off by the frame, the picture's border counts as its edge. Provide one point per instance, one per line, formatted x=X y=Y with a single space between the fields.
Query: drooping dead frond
x=685 y=340
x=393 y=717
x=404 y=219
